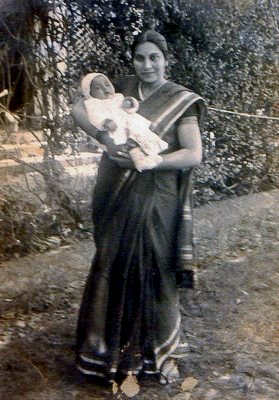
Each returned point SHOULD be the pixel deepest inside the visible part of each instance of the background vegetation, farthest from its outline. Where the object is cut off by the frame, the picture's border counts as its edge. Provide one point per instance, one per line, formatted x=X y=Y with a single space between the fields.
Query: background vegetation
x=227 y=51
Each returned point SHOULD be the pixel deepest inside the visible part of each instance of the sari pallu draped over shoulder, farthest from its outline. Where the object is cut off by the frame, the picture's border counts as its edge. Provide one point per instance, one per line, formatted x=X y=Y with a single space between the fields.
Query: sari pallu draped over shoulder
x=129 y=318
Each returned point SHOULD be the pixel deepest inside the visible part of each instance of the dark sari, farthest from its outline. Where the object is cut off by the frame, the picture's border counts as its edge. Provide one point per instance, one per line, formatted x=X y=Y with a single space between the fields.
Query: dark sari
x=129 y=319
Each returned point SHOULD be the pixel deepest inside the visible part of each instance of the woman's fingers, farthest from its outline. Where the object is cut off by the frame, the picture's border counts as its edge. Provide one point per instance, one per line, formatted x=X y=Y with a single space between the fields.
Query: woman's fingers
x=123 y=154
x=119 y=159
x=123 y=162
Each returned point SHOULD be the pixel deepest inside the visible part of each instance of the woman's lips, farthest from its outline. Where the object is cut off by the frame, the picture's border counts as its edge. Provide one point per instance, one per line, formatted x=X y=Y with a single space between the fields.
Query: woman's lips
x=147 y=73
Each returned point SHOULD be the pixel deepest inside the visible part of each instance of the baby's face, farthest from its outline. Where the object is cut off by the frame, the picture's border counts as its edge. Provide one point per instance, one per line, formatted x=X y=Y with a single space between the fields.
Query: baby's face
x=101 y=88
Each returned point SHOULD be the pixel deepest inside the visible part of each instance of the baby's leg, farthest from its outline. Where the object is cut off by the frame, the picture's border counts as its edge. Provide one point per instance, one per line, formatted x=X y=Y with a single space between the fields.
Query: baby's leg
x=139 y=131
x=148 y=141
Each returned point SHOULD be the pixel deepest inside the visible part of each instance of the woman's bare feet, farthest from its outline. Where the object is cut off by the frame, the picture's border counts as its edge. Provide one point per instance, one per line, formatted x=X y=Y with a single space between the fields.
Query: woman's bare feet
x=181 y=351
x=169 y=372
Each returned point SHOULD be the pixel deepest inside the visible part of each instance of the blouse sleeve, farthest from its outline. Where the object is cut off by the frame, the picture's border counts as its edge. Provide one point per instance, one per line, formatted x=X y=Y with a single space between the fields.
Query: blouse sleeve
x=191 y=112
x=190 y=116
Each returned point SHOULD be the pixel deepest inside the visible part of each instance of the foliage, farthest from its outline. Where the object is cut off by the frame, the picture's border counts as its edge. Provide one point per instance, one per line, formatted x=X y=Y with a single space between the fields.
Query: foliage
x=30 y=223
x=19 y=223
x=242 y=159
x=225 y=51
x=233 y=66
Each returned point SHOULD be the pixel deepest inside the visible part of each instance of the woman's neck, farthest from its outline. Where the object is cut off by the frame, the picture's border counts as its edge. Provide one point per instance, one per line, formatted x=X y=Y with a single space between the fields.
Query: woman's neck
x=146 y=88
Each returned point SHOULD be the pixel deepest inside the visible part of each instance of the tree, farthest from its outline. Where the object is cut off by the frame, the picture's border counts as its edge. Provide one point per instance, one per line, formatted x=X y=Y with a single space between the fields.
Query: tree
x=225 y=51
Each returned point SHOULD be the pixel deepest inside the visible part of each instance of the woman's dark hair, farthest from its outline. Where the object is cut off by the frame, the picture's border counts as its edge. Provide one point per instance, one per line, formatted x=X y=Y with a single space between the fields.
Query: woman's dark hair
x=153 y=37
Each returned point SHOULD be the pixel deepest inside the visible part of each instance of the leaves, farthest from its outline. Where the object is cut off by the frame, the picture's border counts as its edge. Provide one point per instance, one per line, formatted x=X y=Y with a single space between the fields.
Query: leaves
x=129 y=387
x=233 y=66
x=189 y=384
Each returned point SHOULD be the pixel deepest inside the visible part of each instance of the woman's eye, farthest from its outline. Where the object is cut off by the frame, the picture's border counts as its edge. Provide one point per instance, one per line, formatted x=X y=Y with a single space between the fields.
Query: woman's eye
x=139 y=58
x=154 y=57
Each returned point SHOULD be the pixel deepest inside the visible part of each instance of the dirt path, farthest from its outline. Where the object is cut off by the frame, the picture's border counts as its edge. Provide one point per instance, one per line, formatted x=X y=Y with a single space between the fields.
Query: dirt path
x=230 y=320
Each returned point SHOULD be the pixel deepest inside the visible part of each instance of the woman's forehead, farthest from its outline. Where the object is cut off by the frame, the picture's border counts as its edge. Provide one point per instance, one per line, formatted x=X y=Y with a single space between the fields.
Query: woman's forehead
x=147 y=48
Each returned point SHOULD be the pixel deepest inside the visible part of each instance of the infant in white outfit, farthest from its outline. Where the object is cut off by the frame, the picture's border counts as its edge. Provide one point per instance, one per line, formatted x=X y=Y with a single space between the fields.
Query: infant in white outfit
x=112 y=112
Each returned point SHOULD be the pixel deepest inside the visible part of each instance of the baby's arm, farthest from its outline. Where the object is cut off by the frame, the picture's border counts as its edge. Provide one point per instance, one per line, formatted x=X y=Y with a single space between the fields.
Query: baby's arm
x=109 y=125
x=130 y=105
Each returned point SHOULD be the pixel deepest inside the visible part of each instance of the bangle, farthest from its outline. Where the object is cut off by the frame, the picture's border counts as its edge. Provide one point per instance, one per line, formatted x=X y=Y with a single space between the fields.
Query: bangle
x=100 y=136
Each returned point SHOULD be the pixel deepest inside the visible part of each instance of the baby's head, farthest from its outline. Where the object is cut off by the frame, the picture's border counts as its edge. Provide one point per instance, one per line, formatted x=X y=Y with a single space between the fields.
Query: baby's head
x=98 y=86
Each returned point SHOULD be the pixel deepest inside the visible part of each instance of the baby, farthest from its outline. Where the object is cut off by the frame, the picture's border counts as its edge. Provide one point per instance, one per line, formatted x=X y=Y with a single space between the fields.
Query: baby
x=112 y=112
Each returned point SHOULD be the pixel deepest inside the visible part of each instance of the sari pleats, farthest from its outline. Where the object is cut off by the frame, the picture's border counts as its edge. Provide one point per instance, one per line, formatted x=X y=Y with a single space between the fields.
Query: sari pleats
x=130 y=305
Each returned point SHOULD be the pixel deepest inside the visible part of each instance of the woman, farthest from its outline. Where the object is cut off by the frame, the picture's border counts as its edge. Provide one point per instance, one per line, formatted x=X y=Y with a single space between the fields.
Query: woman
x=129 y=319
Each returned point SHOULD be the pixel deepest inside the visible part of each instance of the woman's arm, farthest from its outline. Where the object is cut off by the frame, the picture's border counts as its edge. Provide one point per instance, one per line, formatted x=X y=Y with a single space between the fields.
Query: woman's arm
x=80 y=116
x=190 y=154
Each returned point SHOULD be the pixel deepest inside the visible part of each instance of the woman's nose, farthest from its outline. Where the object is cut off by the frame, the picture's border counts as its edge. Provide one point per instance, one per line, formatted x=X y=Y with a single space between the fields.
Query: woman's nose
x=146 y=63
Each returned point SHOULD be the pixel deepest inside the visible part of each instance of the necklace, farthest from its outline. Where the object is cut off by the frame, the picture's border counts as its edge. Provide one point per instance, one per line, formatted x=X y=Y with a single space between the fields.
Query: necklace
x=142 y=96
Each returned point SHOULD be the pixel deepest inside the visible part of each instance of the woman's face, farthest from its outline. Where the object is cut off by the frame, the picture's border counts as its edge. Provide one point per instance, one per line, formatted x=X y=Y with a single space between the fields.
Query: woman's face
x=149 y=63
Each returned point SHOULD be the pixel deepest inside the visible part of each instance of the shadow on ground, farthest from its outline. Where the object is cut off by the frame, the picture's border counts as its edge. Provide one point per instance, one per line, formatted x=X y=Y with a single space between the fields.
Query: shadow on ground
x=230 y=320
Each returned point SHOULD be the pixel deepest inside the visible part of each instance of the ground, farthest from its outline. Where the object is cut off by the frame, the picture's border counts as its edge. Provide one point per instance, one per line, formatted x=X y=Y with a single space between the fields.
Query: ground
x=230 y=319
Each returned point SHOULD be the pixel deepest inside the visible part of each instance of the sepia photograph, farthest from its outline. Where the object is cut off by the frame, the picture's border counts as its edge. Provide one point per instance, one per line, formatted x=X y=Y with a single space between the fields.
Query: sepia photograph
x=139 y=199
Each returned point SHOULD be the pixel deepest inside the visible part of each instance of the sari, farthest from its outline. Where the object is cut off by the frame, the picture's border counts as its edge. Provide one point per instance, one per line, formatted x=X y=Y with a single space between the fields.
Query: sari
x=129 y=319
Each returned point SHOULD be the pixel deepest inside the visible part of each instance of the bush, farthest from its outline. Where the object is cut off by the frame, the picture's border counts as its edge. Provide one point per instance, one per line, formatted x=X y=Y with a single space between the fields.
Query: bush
x=224 y=51
x=29 y=224
x=241 y=158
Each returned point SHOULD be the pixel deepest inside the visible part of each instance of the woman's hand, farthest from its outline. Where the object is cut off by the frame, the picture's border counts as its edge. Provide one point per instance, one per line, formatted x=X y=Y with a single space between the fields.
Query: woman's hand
x=117 y=153
x=79 y=114
x=112 y=149
x=123 y=160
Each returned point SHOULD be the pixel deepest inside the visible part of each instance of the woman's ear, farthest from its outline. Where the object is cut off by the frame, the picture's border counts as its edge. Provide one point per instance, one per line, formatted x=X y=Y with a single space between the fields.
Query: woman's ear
x=167 y=72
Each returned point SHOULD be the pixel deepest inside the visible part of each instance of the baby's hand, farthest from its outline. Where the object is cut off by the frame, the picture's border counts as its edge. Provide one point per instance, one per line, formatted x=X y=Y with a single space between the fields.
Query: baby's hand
x=110 y=125
x=130 y=104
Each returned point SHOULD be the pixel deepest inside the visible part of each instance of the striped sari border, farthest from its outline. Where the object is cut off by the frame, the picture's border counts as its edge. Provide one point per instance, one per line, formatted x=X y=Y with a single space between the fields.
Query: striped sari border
x=91 y=360
x=164 y=357
x=90 y=372
x=180 y=113
x=177 y=101
x=174 y=111
x=172 y=340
